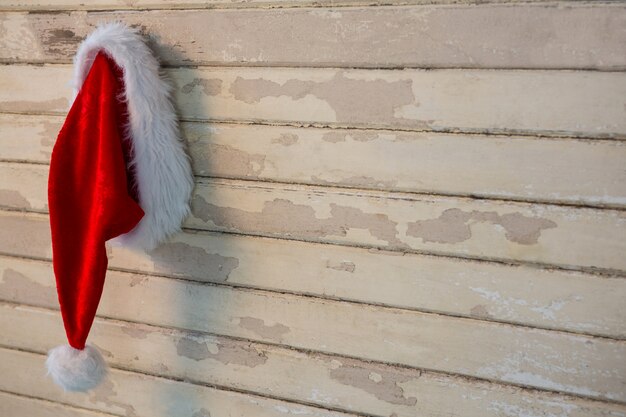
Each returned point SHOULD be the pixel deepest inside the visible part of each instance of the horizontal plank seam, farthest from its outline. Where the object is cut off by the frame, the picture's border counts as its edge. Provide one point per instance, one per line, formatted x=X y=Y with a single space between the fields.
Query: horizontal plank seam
x=307 y=4
x=608 y=272
x=620 y=69
x=470 y=379
x=256 y=290
x=354 y=191
x=470 y=136
x=453 y=131
x=218 y=387
x=47 y=401
x=599 y=272
x=334 y=65
x=326 y=297
x=339 y=186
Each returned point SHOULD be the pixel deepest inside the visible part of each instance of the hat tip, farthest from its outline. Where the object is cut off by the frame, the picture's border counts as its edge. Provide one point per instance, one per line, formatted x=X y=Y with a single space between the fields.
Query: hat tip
x=76 y=369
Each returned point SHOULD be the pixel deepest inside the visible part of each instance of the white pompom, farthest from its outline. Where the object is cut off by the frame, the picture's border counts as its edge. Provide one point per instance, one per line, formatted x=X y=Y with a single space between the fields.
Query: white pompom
x=75 y=369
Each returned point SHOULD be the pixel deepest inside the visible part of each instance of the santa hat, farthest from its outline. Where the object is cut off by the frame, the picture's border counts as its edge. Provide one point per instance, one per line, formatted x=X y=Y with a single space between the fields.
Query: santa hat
x=118 y=170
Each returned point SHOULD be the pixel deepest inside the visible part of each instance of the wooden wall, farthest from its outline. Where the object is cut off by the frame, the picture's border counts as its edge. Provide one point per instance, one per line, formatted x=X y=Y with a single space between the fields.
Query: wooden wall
x=403 y=208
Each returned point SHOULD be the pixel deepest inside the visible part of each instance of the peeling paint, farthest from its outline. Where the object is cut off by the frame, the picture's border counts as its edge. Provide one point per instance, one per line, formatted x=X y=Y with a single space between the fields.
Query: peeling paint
x=179 y=256
x=381 y=383
x=104 y=394
x=351 y=99
x=229 y=352
x=302 y=220
x=258 y=326
x=13 y=198
x=228 y=161
x=16 y=286
x=341 y=266
x=203 y=412
x=452 y=226
x=286 y=139
x=210 y=87
x=341 y=136
x=480 y=311
x=60 y=41
x=135 y=331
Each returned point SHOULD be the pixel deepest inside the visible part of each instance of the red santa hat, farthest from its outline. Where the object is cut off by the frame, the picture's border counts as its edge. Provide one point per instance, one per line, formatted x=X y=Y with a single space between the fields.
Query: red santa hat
x=118 y=171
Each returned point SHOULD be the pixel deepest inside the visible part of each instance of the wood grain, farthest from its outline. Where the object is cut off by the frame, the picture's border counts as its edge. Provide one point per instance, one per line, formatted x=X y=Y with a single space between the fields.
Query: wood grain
x=558 y=170
x=570 y=301
x=480 y=229
x=41 y=5
x=16 y=405
x=574 y=103
x=130 y=394
x=331 y=381
x=549 y=360
x=428 y=36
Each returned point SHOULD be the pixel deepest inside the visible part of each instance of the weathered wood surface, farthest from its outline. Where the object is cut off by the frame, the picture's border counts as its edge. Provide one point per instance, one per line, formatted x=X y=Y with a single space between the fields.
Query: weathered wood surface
x=540 y=169
x=574 y=103
x=129 y=394
x=566 y=300
x=330 y=381
x=576 y=364
x=38 y=5
x=430 y=36
x=12 y=405
x=482 y=229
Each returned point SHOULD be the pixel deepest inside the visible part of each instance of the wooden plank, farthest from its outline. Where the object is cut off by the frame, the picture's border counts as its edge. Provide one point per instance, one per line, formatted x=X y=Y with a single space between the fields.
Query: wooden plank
x=480 y=229
x=332 y=381
x=16 y=405
x=574 y=103
x=130 y=394
x=38 y=5
x=566 y=300
x=575 y=364
x=539 y=169
x=429 y=36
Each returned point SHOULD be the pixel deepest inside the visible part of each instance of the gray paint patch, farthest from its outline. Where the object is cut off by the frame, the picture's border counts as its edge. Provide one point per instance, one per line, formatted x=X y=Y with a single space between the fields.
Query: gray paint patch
x=13 y=198
x=302 y=220
x=203 y=412
x=224 y=160
x=480 y=311
x=210 y=87
x=186 y=259
x=135 y=331
x=352 y=100
x=104 y=394
x=229 y=352
x=17 y=287
x=60 y=41
x=341 y=266
x=258 y=326
x=382 y=383
x=452 y=226
x=286 y=139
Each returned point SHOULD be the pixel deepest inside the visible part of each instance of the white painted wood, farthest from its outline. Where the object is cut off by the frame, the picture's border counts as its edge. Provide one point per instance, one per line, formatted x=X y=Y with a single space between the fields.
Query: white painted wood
x=403 y=222
x=12 y=405
x=428 y=36
x=130 y=394
x=540 y=169
x=544 y=359
x=330 y=381
x=538 y=102
x=524 y=295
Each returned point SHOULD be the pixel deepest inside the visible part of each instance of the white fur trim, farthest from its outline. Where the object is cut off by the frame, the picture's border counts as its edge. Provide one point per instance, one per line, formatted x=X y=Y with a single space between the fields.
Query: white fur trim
x=163 y=173
x=74 y=369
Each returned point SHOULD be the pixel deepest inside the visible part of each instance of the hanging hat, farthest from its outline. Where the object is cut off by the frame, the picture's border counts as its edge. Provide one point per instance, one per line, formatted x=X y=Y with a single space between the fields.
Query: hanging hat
x=118 y=171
